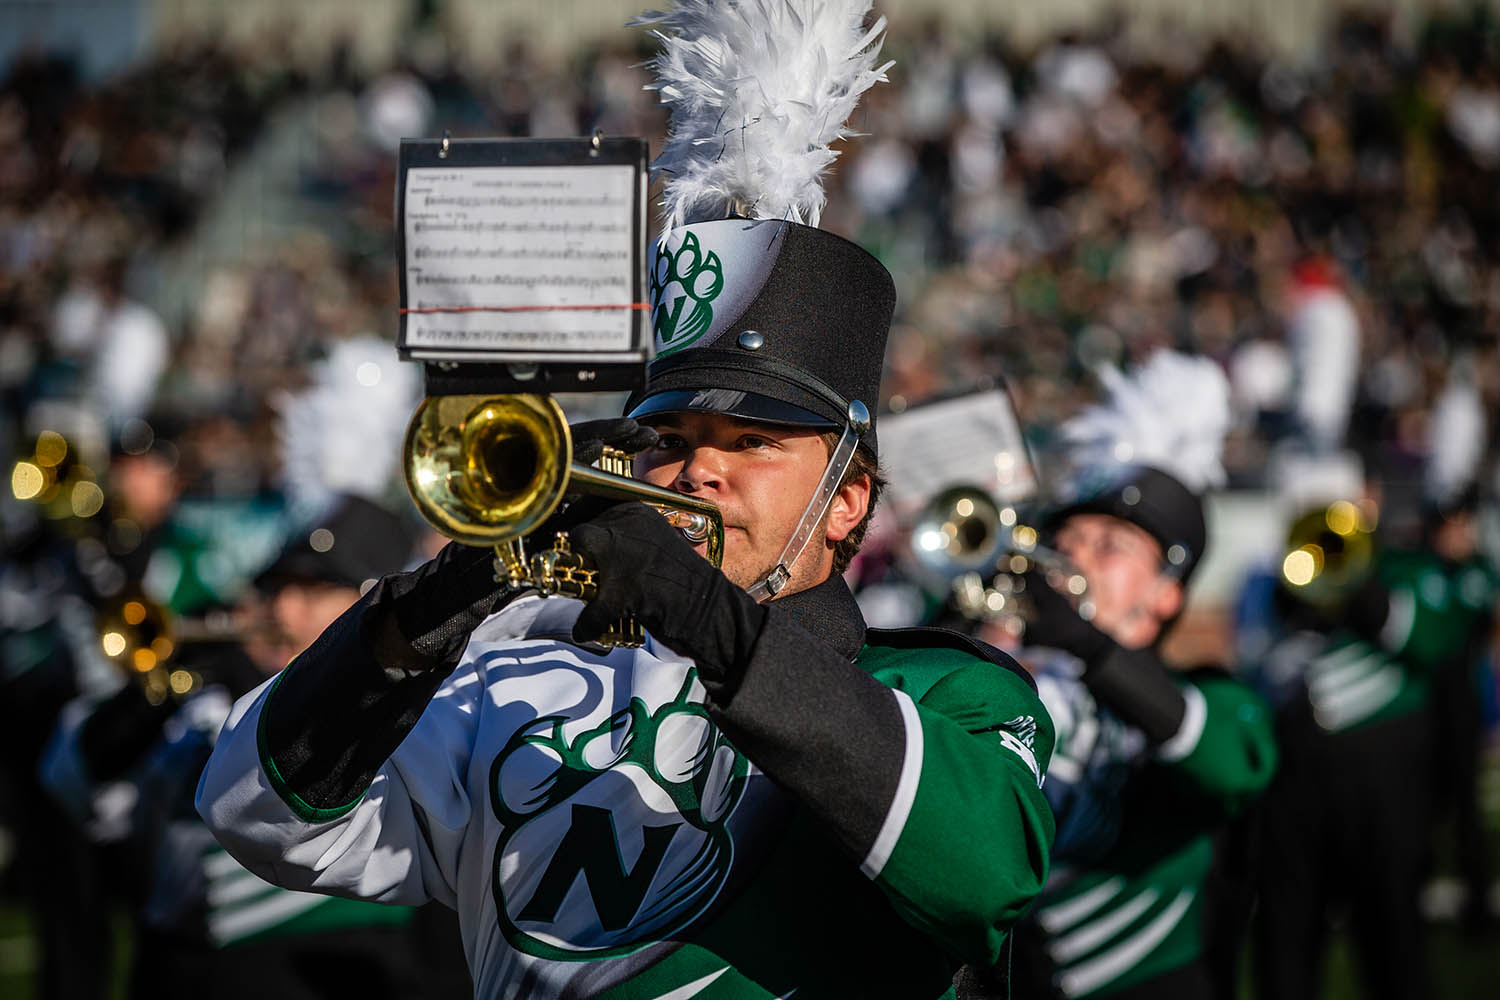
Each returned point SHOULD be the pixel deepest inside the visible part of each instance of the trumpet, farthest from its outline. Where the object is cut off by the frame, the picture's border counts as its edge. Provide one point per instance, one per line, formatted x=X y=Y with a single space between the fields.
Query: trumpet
x=143 y=639
x=54 y=478
x=489 y=471
x=1329 y=552
x=979 y=547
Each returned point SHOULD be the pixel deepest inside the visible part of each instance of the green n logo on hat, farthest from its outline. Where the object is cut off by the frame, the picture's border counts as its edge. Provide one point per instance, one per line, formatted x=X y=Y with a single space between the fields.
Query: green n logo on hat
x=684 y=284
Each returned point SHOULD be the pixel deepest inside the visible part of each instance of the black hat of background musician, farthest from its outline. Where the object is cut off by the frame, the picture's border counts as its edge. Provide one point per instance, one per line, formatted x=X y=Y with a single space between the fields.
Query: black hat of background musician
x=1150 y=499
x=354 y=544
x=768 y=320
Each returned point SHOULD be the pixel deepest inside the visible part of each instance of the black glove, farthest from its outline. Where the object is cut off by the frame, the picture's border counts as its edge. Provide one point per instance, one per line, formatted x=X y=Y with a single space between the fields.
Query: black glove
x=648 y=570
x=1133 y=683
x=437 y=605
x=1055 y=623
x=590 y=437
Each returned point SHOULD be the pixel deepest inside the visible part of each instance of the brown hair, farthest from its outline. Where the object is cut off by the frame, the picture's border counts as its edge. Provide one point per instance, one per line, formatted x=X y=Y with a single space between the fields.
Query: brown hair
x=863 y=464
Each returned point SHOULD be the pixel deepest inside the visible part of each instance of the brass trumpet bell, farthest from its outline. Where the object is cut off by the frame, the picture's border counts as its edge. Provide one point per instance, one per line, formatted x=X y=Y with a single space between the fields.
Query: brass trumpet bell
x=142 y=638
x=485 y=469
x=1329 y=552
x=966 y=539
x=490 y=470
x=961 y=529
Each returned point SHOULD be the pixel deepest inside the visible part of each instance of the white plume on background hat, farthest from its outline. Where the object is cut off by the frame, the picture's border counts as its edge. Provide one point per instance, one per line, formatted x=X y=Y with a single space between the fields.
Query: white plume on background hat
x=1170 y=413
x=343 y=434
x=1455 y=437
x=758 y=90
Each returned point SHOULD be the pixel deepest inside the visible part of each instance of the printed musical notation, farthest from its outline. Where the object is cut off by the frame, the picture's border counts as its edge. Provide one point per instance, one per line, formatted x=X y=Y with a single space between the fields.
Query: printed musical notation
x=520 y=258
x=973 y=440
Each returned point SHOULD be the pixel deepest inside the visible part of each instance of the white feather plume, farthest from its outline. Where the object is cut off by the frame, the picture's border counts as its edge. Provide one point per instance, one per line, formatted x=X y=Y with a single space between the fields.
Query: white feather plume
x=342 y=434
x=1455 y=438
x=1171 y=412
x=758 y=90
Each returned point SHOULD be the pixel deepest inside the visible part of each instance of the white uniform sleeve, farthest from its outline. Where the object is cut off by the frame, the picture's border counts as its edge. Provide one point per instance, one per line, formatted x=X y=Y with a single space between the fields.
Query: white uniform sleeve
x=398 y=843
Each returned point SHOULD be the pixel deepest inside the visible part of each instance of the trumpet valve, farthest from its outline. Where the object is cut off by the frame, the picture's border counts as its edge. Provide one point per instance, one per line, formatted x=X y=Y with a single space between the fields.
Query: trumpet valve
x=510 y=564
x=559 y=571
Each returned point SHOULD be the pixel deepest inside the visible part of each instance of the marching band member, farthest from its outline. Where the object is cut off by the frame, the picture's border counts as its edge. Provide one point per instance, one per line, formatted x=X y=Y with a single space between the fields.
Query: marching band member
x=1150 y=761
x=204 y=926
x=1371 y=677
x=765 y=799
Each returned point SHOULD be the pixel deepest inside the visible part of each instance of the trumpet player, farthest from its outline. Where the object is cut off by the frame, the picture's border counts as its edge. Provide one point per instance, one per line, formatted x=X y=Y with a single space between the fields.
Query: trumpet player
x=765 y=798
x=1150 y=761
x=1372 y=678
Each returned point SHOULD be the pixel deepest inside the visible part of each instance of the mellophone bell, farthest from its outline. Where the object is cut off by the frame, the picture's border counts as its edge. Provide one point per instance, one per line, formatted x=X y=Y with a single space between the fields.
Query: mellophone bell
x=522 y=275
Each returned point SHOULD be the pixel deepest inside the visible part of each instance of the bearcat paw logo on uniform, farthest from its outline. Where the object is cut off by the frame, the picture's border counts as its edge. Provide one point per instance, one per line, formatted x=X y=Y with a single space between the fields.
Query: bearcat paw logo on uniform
x=684 y=284
x=617 y=836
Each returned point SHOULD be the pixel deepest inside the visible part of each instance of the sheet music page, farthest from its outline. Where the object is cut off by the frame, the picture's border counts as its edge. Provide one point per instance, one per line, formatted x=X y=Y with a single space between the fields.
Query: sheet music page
x=972 y=441
x=512 y=258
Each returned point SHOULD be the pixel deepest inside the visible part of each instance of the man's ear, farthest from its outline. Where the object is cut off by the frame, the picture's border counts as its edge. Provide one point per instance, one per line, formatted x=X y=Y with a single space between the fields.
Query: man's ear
x=1166 y=600
x=848 y=508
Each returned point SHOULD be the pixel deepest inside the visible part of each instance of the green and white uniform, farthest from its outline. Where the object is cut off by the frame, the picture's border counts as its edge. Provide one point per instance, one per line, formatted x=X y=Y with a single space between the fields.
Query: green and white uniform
x=1348 y=818
x=864 y=814
x=194 y=895
x=1353 y=680
x=1125 y=902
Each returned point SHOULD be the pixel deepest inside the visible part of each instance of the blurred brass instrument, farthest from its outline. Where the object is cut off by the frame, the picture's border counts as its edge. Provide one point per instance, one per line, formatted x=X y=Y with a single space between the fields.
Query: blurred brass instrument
x=966 y=538
x=54 y=478
x=1329 y=552
x=489 y=470
x=143 y=639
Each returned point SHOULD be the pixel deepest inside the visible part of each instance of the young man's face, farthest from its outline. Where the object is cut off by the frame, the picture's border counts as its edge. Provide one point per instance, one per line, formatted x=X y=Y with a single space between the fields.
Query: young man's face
x=301 y=611
x=1123 y=566
x=1457 y=537
x=761 y=477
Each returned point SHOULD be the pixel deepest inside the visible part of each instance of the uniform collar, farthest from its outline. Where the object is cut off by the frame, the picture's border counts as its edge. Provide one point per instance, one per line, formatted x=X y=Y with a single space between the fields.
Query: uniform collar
x=830 y=612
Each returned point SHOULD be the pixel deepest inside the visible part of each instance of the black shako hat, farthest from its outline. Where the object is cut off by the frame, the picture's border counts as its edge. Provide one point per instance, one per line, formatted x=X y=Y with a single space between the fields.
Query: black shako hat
x=768 y=320
x=1151 y=500
x=352 y=545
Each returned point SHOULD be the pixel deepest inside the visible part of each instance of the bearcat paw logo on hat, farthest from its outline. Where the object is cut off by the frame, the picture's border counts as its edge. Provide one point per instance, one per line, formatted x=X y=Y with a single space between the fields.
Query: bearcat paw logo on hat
x=684 y=284
x=616 y=836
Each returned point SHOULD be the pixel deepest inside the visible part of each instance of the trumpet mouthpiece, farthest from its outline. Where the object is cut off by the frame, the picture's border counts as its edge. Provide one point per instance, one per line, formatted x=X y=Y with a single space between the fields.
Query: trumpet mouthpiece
x=694 y=527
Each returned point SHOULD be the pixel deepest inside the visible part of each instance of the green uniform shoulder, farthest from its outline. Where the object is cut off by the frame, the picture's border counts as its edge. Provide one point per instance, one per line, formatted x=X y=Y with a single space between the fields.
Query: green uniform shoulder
x=930 y=654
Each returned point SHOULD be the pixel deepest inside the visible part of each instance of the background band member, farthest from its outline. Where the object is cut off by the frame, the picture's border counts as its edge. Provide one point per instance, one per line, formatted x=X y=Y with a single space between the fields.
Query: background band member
x=766 y=798
x=204 y=926
x=1150 y=761
x=1373 y=679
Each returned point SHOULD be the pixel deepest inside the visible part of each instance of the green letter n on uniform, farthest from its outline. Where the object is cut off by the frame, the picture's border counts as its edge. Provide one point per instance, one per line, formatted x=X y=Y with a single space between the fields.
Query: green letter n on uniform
x=592 y=848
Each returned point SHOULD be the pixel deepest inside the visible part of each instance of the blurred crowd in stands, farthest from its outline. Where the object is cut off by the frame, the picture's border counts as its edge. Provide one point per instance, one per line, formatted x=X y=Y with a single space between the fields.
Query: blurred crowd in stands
x=1043 y=210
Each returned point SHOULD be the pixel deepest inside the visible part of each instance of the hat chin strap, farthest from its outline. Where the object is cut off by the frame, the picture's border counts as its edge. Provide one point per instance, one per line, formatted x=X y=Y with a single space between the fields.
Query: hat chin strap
x=838 y=464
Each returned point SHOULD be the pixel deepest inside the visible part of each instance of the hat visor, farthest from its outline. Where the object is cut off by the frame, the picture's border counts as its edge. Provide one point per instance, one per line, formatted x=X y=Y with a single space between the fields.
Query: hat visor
x=731 y=403
x=302 y=566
